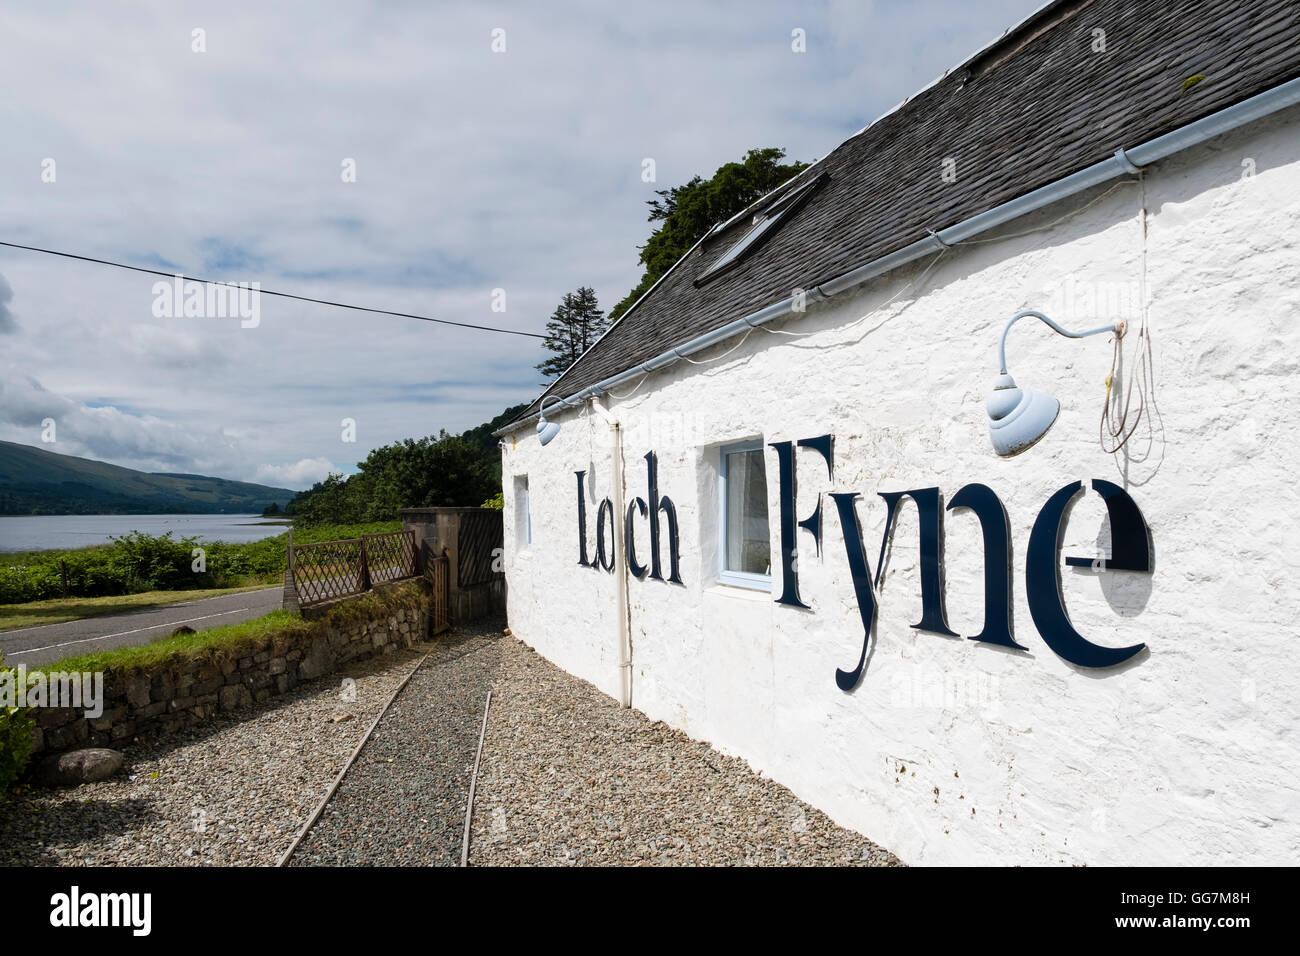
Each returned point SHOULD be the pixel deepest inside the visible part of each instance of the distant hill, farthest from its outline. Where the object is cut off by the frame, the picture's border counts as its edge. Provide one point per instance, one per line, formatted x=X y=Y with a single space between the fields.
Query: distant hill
x=34 y=481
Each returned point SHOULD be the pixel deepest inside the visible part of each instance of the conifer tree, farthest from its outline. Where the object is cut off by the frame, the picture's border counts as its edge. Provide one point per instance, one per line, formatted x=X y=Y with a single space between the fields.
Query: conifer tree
x=575 y=324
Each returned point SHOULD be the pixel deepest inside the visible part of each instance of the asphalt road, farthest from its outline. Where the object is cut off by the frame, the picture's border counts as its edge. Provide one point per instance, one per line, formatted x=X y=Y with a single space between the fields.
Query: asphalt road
x=50 y=642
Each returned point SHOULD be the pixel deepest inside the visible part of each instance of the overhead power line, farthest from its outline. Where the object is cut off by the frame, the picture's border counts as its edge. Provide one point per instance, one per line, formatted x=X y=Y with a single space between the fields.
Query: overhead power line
x=282 y=295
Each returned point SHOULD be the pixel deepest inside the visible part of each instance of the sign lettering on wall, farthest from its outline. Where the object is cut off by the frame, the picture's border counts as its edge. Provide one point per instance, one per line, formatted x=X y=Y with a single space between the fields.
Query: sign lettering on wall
x=1130 y=551
x=637 y=506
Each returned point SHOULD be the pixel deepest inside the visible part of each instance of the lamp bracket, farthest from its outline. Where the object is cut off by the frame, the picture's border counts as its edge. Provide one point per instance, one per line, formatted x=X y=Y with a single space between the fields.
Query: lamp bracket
x=1116 y=327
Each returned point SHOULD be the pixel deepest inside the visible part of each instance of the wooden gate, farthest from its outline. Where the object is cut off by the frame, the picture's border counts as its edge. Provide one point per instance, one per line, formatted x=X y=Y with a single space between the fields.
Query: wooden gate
x=439 y=573
x=478 y=547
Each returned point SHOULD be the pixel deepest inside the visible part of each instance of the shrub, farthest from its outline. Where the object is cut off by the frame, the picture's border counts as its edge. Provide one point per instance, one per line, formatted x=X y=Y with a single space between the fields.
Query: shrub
x=141 y=562
x=154 y=562
x=16 y=727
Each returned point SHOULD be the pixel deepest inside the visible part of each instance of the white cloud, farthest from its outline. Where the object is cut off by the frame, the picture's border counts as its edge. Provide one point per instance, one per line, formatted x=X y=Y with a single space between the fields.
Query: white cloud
x=301 y=474
x=7 y=321
x=475 y=171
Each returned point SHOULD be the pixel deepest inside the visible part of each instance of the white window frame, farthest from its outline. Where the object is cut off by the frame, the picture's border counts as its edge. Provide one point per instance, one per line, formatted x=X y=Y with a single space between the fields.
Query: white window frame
x=521 y=486
x=740 y=579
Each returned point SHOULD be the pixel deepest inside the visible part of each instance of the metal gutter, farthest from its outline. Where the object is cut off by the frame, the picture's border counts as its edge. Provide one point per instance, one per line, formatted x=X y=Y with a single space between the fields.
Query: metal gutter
x=1122 y=163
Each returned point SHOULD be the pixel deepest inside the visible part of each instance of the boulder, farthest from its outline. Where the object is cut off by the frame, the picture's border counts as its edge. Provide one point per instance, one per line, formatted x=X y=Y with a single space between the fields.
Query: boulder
x=79 y=766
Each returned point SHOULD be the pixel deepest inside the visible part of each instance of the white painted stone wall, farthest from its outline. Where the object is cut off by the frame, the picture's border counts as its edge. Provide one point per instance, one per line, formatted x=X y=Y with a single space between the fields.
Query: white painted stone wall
x=949 y=751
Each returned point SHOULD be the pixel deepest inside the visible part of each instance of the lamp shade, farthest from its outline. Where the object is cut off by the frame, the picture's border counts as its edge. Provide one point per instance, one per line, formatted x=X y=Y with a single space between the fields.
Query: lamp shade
x=1018 y=417
x=547 y=430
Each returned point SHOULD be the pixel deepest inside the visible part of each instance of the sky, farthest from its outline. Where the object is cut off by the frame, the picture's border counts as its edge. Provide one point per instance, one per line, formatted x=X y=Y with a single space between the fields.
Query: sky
x=468 y=161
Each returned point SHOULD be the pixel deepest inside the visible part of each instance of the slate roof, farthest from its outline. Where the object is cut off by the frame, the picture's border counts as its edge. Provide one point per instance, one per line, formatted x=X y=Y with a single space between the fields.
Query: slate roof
x=1033 y=107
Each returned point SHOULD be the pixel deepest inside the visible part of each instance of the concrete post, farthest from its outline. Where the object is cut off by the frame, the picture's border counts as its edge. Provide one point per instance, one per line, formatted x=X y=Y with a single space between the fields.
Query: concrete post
x=289 y=601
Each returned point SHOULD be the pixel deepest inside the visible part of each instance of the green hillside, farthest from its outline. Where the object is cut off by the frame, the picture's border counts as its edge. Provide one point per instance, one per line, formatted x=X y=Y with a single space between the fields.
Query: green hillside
x=38 y=482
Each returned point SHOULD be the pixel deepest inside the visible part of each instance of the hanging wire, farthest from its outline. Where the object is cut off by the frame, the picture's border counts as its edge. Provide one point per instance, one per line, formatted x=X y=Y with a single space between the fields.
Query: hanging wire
x=920 y=280
x=719 y=358
x=1055 y=222
x=917 y=282
x=1119 y=419
x=639 y=383
x=283 y=295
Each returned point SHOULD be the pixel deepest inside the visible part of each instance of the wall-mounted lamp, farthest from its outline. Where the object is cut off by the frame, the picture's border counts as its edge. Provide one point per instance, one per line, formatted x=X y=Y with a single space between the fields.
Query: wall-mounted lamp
x=1018 y=418
x=547 y=430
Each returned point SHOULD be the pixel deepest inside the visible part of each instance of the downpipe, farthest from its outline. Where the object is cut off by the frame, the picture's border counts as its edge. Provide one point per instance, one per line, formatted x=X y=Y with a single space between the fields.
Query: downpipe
x=624 y=609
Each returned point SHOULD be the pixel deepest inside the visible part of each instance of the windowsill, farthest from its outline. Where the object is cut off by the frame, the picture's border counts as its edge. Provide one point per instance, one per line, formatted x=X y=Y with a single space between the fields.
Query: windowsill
x=730 y=589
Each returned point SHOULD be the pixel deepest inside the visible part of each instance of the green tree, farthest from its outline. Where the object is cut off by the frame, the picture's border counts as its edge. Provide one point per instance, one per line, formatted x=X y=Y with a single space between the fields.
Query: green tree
x=689 y=211
x=338 y=499
x=446 y=470
x=423 y=473
x=456 y=470
x=481 y=437
x=574 y=325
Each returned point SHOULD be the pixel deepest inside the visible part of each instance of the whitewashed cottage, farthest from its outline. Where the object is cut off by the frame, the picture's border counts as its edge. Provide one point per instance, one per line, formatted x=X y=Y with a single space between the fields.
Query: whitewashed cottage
x=985 y=597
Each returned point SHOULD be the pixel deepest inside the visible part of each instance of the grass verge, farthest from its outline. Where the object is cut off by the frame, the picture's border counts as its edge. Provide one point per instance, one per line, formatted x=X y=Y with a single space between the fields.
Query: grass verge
x=232 y=640
x=241 y=640
x=58 y=610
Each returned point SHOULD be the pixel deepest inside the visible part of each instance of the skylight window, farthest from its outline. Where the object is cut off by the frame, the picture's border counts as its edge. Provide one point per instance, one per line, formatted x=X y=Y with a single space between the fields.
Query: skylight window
x=761 y=227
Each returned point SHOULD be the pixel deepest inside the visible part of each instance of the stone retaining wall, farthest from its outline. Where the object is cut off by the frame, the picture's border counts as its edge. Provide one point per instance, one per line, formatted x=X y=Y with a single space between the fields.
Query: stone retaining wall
x=143 y=702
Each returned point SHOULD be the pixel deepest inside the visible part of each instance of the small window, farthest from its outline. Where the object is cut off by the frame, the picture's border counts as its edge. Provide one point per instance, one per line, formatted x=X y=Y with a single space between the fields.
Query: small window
x=746 y=552
x=523 y=514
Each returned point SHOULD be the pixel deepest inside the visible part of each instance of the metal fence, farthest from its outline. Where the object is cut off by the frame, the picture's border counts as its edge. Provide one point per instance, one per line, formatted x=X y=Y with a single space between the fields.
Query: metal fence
x=334 y=569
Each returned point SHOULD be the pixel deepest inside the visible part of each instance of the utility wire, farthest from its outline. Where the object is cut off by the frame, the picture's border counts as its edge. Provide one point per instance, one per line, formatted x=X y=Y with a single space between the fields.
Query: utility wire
x=283 y=295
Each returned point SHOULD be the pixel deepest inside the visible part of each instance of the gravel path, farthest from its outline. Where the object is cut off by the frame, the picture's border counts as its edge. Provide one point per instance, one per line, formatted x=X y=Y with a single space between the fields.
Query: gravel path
x=568 y=777
x=403 y=801
x=234 y=792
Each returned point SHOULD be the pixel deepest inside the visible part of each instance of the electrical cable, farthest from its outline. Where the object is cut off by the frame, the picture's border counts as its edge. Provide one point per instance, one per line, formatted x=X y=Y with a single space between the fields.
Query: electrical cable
x=1115 y=420
x=1115 y=428
x=1055 y=222
x=282 y=295
x=639 y=383
x=719 y=358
